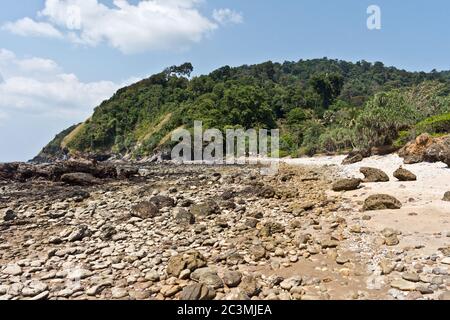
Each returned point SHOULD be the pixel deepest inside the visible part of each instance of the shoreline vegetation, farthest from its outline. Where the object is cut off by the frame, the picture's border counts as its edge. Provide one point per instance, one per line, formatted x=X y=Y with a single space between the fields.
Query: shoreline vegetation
x=319 y=106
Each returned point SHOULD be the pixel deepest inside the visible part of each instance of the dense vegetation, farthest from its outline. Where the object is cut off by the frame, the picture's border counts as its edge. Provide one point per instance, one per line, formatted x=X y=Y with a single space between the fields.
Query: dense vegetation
x=320 y=105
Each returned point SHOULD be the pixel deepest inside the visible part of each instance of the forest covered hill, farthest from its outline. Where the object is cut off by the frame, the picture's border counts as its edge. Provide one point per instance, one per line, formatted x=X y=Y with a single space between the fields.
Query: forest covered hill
x=320 y=105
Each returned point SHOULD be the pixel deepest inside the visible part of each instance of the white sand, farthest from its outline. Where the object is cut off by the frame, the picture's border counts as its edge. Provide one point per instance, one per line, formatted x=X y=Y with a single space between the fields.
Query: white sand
x=431 y=220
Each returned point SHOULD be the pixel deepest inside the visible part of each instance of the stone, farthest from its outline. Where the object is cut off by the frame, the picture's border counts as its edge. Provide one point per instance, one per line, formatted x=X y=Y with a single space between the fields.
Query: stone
x=445 y=296
x=404 y=175
x=9 y=215
x=162 y=202
x=191 y=260
x=381 y=202
x=34 y=288
x=266 y=192
x=428 y=149
x=118 y=293
x=78 y=233
x=97 y=289
x=208 y=277
x=183 y=216
x=197 y=291
x=152 y=276
x=232 y=278
x=77 y=274
x=80 y=179
x=446 y=196
x=446 y=260
x=346 y=185
x=290 y=283
x=403 y=285
x=392 y=240
x=353 y=157
x=12 y=270
x=170 y=290
x=249 y=286
x=271 y=228
x=374 y=175
x=205 y=209
x=145 y=210
x=258 y=252
x=386 y=267
x=413 y=277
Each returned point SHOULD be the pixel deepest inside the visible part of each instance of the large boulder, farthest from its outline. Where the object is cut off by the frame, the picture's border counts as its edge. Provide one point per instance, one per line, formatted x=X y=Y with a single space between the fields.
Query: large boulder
x=80 y=179
x=404 y=175
x=381 y=202
x=425 y=148
x=373 y=175
x=346 y=185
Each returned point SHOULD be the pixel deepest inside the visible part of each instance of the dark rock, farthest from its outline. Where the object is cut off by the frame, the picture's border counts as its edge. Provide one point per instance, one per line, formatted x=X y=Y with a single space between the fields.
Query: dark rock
x=183 y=216
x=80 y=179
x=9 y=215
x=163 y=202
x=381 y=202
x=374 y=175
x=404 y=175
x=346 y=185
x=266 y=192
x=354 y=157
x=145 y=210
x=446 y=196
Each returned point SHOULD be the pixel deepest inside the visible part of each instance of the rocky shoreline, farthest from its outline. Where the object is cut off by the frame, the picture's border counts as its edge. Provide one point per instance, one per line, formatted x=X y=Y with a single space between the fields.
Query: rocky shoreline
x=193 y=232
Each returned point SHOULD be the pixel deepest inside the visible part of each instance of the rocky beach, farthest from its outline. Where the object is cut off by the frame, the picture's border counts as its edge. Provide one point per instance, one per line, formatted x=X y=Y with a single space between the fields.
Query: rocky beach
x=196 y=232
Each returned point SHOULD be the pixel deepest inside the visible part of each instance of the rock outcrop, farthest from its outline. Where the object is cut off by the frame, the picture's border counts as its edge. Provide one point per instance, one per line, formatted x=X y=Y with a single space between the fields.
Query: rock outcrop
x=427 y=149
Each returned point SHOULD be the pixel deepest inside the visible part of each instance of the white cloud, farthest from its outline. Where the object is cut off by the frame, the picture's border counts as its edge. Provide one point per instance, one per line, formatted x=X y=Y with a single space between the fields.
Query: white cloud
x=38 y=86
x=227 y=16
x=29 y=27
x=148 y=25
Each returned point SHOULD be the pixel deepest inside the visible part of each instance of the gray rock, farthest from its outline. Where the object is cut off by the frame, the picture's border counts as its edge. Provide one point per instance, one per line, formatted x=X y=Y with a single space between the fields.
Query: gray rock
x=12 y=270
x=232 y=278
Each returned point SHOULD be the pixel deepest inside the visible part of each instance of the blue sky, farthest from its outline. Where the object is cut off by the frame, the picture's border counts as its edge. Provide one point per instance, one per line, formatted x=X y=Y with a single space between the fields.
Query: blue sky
x=57 y=63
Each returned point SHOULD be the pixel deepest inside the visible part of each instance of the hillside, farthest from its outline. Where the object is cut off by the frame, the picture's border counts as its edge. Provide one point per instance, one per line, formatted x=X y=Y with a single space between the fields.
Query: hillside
x=320 y=105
